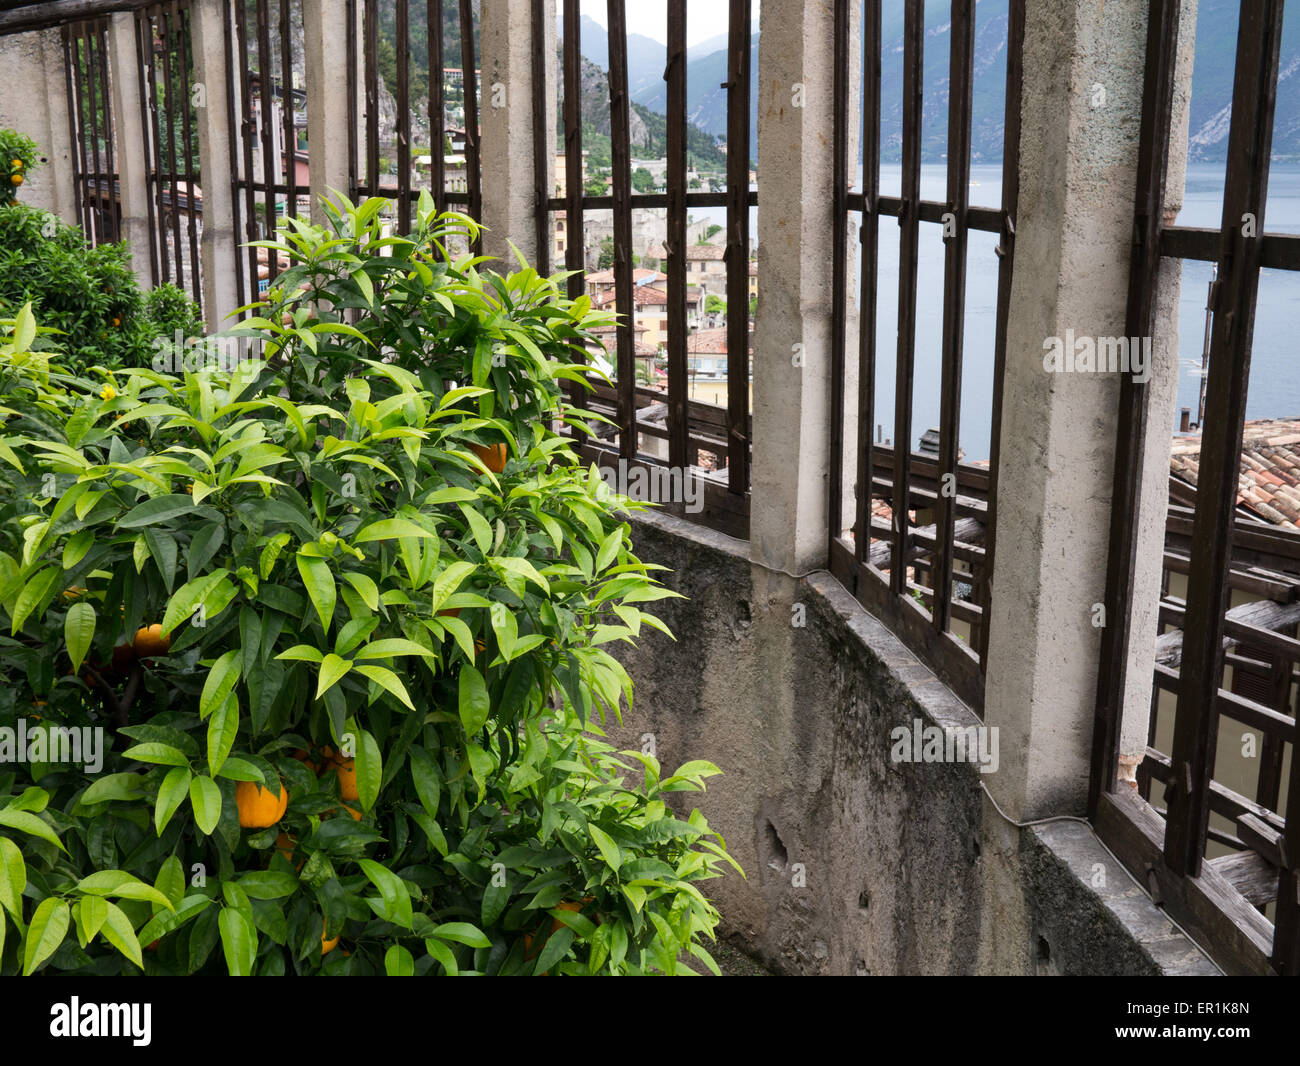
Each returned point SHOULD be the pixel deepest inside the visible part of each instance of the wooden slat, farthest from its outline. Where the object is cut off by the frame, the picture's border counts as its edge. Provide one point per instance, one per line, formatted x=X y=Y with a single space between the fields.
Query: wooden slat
x=149 y=127
x=737 y=252
x=541 y=149
x=869 y=235
x=675 y=75
x=621 y=174
x=433 y=13
x=573 y=246
x=1260 y=620
x=839 y=262
x=402 y=32
x=961 y=49
x=183 y=21
x=473 y=156
x=270 y=166
x=1208 y=907
x=1250 y=136
x=909 y=245
x=1249 y=874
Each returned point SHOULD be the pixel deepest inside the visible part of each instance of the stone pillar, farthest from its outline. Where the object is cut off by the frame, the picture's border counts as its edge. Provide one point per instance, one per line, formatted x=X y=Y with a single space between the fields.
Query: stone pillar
x=132 y=141
x=219 y=247
x=506 y=120
x=36 y=103
x=326 y=62
x=1074 y=232
x=789 y=515
x=1153 y=504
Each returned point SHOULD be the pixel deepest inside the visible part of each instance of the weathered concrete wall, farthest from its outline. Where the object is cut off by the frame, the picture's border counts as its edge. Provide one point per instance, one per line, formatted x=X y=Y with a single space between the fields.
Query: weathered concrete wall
x=34 y=102
x=856 y=864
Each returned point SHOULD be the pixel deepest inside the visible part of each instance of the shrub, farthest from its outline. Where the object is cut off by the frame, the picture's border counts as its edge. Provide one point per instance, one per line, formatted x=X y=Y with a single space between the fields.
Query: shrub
x=18 y=158
x=351 y=609
x=88 y=293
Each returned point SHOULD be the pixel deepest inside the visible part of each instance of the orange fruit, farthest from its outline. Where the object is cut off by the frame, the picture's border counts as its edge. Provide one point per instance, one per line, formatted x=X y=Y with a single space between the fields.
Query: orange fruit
x=17 y=179
x=260 y=807
x=347 y=773
x=73 y=592
x=494 y=456
x=150 y=641
x=356 y=814
x=304 y=757
x=122 y=656
x=326 y=946
x=284 y=844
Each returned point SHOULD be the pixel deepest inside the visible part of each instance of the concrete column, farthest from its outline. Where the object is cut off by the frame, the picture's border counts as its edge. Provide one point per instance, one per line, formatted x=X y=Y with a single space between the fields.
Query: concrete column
x=36 y=103
x=506 y=120
x=132 y=141
x=789 y=515
x=1081 y=106
x=1153 y=504
x=218 y=247
x=325 y=47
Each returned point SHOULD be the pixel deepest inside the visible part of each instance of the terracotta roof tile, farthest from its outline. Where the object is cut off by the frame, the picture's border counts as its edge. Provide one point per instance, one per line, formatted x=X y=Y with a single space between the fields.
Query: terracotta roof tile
x=1269 y=475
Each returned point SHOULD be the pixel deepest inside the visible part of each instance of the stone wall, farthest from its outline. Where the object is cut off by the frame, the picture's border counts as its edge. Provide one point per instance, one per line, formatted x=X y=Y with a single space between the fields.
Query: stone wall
x=857 y=864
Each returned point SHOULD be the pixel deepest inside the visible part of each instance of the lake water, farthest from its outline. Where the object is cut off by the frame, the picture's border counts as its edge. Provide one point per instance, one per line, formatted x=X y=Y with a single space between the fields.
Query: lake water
x=1275 y=363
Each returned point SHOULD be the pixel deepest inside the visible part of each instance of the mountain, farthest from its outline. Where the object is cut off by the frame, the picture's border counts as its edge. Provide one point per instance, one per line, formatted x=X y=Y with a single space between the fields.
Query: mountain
x=646 y=58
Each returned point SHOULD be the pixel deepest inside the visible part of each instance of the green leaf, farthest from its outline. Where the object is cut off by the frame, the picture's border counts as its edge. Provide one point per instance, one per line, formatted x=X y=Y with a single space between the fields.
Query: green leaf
x=157 y=509
x=30 y=824
x=33 y=593
x=609 y=548
x=398 y=962
x=390 y=647
x=461 y=933
x=222 y=677
x=387 y=680
x=608 y=849
x=389 y=528
x=78 y=632
x=366 y=588
x=123 y=885
x=123 y=787
x=163 y=754
x=223 y=727
x=119 y=933
x=238 y=941
x=268 y=884
x=475 y=704
x=370 y=770
x=319 y=582
x=205 y=798
x=397 y=901
x=92 y=912
x=332 y=670
x=13 y=878
x=45 y=934
x=557 y=946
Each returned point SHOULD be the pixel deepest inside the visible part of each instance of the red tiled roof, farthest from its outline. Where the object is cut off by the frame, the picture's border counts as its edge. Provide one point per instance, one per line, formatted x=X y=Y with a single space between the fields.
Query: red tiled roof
x=1269 y=477
x=708 y=252
x=640 y=275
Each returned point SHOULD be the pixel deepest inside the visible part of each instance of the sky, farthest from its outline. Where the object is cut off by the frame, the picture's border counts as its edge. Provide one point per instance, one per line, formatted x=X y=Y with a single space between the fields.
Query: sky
x=704 y=18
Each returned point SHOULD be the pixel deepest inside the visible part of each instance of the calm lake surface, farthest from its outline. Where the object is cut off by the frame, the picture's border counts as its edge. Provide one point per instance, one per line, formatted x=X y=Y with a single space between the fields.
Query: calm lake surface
x=1275 y=363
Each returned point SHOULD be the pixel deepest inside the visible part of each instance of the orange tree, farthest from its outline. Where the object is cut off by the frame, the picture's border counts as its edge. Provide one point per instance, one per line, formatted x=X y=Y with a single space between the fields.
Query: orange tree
x=347 y=676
